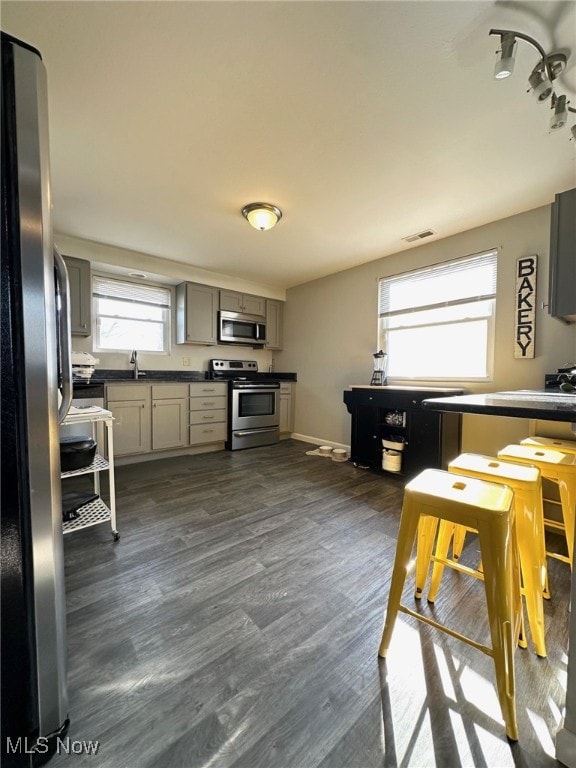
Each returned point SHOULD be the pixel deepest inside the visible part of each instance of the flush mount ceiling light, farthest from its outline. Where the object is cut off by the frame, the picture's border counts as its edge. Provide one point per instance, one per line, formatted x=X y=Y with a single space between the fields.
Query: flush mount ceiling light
x=262 y=216
x=542 y=77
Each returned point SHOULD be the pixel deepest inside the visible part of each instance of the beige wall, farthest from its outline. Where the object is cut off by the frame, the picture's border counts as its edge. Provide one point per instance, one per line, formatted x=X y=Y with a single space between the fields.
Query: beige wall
x=330 y=331
x=106 y=259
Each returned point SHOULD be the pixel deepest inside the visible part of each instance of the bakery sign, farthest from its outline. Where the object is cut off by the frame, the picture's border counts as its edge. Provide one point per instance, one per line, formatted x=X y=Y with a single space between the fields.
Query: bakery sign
x=525 y=307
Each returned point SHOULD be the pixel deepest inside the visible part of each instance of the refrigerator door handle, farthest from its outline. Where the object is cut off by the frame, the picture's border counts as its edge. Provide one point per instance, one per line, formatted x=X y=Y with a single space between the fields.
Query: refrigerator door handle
x=65 y=342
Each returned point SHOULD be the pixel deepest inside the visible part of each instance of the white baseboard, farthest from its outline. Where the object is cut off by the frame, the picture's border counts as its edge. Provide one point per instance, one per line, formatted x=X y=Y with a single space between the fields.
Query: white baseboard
x=319 y=441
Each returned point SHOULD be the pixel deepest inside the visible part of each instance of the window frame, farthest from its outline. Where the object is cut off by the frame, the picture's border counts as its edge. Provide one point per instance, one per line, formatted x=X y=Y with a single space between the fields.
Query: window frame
x=96 y=315
x=490 y=257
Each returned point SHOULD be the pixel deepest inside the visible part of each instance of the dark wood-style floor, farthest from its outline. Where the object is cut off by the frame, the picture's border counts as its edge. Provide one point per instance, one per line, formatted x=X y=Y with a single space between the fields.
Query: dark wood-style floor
x=236 y=623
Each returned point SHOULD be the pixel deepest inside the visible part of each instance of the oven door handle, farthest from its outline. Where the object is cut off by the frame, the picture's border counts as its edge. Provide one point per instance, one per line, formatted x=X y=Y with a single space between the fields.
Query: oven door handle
x=247 y=432
x=252 y=388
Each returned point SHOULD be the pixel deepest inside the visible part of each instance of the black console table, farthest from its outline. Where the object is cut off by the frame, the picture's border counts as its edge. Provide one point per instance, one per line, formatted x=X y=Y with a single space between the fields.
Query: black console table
x=431 y=439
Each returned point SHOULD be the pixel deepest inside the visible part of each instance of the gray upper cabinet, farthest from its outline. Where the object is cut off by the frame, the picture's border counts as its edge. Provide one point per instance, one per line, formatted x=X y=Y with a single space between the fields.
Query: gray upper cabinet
x=232 y=301
x=80 y=296
x=273 y=324
x=196 y=314
x=562 y=282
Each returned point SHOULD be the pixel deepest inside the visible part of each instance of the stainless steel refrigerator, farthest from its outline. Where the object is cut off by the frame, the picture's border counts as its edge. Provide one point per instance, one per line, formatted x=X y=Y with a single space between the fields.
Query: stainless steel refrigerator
x=34 y=365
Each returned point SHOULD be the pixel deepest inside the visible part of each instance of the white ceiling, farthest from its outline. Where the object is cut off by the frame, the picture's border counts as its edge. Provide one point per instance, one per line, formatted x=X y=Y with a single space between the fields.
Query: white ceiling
x=363 y=121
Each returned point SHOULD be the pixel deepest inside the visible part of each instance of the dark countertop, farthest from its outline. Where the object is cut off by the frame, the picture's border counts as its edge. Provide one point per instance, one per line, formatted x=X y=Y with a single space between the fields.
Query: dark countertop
x=405 y=388
x=523 y=403
x=111 y=375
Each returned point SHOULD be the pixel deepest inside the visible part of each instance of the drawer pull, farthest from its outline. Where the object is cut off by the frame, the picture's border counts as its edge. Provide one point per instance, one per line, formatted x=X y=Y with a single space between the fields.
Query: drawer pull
x=208 y=417
x=209 y=403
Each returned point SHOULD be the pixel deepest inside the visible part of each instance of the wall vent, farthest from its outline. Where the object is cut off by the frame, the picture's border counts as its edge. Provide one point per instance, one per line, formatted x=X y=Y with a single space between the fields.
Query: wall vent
x=419 y=235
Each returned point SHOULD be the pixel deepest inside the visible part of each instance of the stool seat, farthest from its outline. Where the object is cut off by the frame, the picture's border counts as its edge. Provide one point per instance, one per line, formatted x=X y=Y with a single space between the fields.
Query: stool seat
x=434 y=496
x=525 y=481
x=564 y=446
x=560 y=468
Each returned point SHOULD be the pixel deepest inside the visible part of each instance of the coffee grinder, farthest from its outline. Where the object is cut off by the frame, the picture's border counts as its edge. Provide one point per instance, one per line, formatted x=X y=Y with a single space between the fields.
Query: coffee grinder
x=379 y=374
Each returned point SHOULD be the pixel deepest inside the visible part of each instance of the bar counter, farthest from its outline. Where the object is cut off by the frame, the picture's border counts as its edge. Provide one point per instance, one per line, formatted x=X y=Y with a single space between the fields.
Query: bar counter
x=522 y=403
x=548 y=406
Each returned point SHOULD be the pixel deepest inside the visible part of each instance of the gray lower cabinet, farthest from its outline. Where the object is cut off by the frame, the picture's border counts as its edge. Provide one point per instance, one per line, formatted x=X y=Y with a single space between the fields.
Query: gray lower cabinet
x=130 y=406
x=286 y=399
x=273 y=324
x=169 y=416
x=196 y=314
x=148 y=417
x=208 y=412
x=80 y=296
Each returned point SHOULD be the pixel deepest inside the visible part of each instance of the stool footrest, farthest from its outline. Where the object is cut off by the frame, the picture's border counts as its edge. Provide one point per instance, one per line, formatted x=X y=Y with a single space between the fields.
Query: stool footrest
x=484 y=648
x=455 y=565
x=554 y=524
x=556 y=556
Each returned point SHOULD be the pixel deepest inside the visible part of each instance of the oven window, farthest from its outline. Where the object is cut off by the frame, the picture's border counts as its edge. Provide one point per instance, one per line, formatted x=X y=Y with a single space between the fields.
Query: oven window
x=256 y=404
x=237 y=329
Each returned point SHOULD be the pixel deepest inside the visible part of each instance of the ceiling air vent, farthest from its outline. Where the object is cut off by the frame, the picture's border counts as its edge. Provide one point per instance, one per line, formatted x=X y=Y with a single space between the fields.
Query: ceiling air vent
x=419 y=235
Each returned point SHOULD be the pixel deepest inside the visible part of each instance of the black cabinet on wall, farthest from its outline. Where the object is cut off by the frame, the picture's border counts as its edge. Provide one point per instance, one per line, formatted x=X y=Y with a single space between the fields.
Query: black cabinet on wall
x=430 y=438
x=562 y=282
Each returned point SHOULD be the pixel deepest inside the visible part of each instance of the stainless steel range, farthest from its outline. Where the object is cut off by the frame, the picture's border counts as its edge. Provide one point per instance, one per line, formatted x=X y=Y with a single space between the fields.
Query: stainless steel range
x=253 y=404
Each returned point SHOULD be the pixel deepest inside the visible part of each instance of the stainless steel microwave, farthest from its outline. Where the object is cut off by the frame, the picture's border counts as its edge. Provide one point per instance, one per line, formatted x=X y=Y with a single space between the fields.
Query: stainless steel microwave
x=237 y=328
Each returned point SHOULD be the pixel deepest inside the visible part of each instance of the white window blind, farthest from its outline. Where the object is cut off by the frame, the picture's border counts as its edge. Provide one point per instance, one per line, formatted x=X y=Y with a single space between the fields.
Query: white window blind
x=137 y=293
x=130 y=315
x=438 y=322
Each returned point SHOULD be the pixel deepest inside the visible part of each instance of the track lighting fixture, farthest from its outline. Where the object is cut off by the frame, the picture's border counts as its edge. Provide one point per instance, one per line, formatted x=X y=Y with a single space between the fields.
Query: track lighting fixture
x=541 y=86
x=560 y=116
x=542 y=77
x=505 y=64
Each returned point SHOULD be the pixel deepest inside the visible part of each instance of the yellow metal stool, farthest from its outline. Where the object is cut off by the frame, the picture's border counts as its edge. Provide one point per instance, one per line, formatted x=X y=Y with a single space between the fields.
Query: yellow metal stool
x=435 y=495
x=525 y=481
x=564 y=446
x=561 y=469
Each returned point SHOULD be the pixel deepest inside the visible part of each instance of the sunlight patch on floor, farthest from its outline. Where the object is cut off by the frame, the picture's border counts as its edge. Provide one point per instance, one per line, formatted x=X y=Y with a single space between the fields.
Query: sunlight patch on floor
x=445 y=671
x=481 y=692
x=555 y=711
x=562 y=677
x=542 y=732
x=491 y=747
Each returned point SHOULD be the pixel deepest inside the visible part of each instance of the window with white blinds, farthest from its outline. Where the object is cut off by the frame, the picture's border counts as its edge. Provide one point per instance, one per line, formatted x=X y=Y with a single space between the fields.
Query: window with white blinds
x=438 y=322
x=130 y=315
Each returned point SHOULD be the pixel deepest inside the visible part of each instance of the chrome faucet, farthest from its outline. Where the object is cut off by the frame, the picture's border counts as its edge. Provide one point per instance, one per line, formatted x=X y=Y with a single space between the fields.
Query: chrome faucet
x=134 y=362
